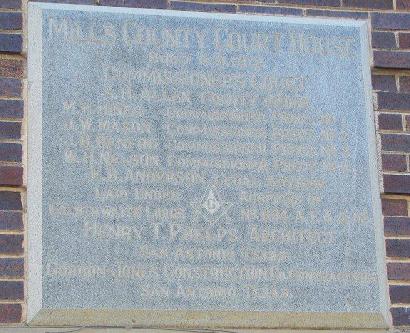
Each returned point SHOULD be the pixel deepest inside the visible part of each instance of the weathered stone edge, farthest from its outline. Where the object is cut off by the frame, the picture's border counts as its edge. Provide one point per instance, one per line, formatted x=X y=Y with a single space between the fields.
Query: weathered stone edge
x=34 y=164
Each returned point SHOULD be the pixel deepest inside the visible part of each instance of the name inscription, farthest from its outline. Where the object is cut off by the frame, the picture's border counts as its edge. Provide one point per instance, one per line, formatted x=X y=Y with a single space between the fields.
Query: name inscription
x=204 y=168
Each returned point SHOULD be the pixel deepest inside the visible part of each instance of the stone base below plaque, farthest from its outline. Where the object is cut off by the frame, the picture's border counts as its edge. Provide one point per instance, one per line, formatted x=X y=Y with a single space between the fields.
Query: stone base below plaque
x=144 y=330
x=209 y=320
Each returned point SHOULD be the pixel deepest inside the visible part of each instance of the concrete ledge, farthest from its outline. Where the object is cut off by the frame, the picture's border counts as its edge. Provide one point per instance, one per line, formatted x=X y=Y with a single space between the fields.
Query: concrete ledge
x=169 y=330
x=208 y=319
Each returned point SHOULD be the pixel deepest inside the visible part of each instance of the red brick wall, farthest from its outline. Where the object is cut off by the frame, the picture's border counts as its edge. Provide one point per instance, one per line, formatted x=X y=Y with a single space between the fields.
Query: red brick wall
x=12 y=74
x=391 y=85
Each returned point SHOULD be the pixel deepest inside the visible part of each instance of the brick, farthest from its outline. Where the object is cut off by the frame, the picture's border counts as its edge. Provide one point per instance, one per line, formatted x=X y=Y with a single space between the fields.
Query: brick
x=11 y=221
x=396 y=184
x=327 y=3
x=10 y=87
x=10 y=130
x=11 y=108
x=203 y=7
x=398 y=248
x=393 y=162
x=158 y=4
x=391 y=59
x=401 y=316
x=11 y=244
x=270 y=10
x=11 y=21
x=404 y=84
x=11 y=267
x=11 y=290
x=12 y=68
x=397 y=226
x=391 y=207
x=12 y=43
x=10 y=152
x=387 y=121
x=115 y=3
x=392 y=101
x=336 y=13
x=10 y=313
x=398 y=271
x=404 y=40
x=400 y=294
x=403 y=4
x=76 y=2
x=384 y=82
x=383 y=40
x=11 y=175
x=369 y=4
x=396 y=142
x=10 y=4
x=10 y=200
x=390 y=21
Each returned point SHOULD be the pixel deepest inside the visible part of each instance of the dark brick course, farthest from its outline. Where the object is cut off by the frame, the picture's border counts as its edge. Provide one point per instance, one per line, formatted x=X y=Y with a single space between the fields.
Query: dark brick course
x=11 y=290
x=10 y=200
x=396 y=142
x=398 y=271
x=11 y=21
x=203 y=7
x=392 y=101
x=12 y=68
x=391 y=207
x=11 y=244
x=403 y=4
x=10 y=152
x=11 y=108
x=388 y=121
x=401 y=316
x=10 y=220
x=10 y=4
x=404 y=83
x=384 y=82
x=398 y=248
x=369 y=4
x=270 y=10
x=10 y=130
x=399 y=184
x=158 y=4
x=327 y=3
x=10 y=87
x=11 y=267
x=392 y=59
x=397 y=226
x=394 y=162
x=115 y=3
x=390 y=21
x=404 y=40
x=74 y=2
x=11 y=175
x=10 y=313
x=383 y=40
x=11 y=43
x=336 y=13
x=400 y=294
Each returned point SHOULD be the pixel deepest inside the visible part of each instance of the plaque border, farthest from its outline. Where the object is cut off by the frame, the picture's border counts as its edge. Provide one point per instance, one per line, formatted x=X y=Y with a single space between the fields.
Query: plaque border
x=39 y=316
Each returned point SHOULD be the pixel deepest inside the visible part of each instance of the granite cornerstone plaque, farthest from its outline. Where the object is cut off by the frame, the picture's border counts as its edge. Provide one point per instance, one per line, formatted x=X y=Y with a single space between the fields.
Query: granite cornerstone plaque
x=201 y=170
